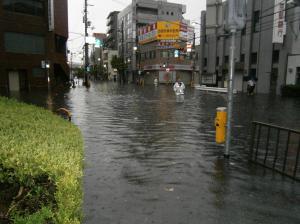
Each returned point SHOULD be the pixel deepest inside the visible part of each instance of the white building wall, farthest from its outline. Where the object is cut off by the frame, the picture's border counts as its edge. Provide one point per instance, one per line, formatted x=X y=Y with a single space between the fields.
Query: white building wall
x=291 y=73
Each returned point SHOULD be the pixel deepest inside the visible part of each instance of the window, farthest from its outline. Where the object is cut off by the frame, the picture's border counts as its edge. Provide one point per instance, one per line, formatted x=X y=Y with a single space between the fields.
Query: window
x=164 y=54
x=226 y=59
x=60 y=44
x=252 y=73
x=30 y=7
x=256 y=20
x=217 y=61
x=275 y=56
x=38 y=73
x=298 y=76
x=243 y=32
x=167 y=13
x=205 y=62
x=242 y=59
x=153 y=54
x=254 y=58
x=24 y=43
x=172 y=13
x=150 y=55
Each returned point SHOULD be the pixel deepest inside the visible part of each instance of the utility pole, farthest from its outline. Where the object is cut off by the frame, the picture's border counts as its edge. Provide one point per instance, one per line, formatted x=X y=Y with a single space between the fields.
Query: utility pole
x=194 y=60
x=86 y=45
x=236 y=21
x=71 y=66
x=123 y=52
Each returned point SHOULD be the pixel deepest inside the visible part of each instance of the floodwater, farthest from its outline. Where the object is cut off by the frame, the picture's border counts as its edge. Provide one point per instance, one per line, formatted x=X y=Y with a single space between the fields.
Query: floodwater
x=150 y=157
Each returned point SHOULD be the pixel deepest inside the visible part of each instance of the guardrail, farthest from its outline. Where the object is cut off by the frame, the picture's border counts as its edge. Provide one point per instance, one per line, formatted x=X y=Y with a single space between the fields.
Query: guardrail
x=212 y=89
x=276 y=147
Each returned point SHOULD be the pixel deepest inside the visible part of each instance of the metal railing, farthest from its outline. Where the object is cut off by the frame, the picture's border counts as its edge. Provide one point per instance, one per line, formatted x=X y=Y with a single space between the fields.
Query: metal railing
x=276 y=147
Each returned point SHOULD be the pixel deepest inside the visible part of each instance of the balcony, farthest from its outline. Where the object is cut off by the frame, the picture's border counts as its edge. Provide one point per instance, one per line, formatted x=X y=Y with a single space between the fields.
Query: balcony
x=109 y=30
x=109 y=21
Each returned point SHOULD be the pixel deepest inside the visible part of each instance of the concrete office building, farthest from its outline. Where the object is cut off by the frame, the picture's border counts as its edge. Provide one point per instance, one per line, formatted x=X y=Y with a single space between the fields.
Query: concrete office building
x=32 y=32
x=268 y=49
x=111 y=41
x=140 y=13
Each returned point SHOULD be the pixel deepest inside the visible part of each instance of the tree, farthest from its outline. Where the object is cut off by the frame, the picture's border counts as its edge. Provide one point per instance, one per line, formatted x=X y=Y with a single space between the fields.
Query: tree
x=118 y=63
x=79 y=72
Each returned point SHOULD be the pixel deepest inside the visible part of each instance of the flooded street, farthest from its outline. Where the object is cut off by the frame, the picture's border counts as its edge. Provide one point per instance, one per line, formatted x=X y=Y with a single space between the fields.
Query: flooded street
x=151 y=158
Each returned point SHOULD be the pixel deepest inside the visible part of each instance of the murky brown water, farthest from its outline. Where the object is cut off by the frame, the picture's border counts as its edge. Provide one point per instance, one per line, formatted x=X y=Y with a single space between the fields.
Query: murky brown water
x=151 y=158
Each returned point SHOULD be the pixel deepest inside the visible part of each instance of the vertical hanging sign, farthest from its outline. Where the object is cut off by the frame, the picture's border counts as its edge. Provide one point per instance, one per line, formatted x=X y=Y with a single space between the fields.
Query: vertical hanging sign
x=51 y=14
x=279 y=26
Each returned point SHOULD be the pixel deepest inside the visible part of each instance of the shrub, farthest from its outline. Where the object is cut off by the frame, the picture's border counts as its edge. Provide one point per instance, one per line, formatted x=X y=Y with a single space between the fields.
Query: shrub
x=41 y=159
x=291 y=90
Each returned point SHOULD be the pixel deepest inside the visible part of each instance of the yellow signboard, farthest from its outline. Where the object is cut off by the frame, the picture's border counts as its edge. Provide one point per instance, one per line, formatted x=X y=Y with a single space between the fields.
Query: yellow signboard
x=167 y=30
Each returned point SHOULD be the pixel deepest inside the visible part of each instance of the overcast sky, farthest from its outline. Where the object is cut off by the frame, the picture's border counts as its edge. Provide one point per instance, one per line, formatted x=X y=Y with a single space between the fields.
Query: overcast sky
x=100 y=10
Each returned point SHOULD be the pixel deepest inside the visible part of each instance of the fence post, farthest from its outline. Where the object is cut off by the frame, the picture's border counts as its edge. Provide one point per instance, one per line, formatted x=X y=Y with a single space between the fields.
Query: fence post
x=258 y=140
x=297 y=161
x=276 y=149
x=267 y=145
x=252 y=140
x=286 y=151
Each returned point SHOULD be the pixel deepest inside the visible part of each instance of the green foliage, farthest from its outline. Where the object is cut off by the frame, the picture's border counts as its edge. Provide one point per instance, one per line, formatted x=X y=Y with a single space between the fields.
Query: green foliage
x=79 y=72
x=45 y=215
x=43 y=153
x=99 y=70
x=118 y=63
x=291 y=91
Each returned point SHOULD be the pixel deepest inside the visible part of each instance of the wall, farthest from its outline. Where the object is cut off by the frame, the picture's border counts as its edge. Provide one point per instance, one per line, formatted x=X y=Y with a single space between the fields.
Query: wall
x=293 y=63
x=61 y=17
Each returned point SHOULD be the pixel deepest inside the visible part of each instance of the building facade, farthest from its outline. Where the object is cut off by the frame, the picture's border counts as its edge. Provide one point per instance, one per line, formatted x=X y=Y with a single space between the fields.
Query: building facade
x=267 y=49
x=107 y=57
x=140 y=13
x=33 y=36
x=166 y=53
x=111 y=41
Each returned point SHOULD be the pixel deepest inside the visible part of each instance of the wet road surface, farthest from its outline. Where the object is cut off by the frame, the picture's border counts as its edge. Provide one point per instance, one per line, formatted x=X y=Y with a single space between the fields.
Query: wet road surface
x=151 y=158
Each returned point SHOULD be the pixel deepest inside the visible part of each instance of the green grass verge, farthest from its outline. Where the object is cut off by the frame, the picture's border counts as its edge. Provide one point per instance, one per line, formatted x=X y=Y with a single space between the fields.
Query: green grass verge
x=41 y=160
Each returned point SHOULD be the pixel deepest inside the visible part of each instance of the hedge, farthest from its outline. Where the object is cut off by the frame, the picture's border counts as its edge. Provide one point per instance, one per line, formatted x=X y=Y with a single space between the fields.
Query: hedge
x=41 y=163
x=290 y=90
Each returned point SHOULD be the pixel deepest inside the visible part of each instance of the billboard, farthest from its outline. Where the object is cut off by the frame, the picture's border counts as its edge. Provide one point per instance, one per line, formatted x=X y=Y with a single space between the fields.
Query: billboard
x=168 y=30
x=165 y=31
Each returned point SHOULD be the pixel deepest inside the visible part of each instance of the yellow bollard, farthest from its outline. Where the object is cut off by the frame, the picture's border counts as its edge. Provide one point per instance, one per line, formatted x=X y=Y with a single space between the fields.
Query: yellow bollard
x=220 y=123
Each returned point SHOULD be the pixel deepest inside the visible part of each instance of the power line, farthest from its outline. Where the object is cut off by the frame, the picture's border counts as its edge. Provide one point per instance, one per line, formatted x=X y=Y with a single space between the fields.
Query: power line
x=120 y=2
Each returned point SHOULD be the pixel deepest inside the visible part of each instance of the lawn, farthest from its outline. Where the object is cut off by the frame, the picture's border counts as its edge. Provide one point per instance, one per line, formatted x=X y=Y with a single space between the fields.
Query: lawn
x=41 y=162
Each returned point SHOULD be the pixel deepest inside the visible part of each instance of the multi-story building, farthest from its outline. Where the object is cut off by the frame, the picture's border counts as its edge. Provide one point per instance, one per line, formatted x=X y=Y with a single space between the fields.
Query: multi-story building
x=165 y=53
x=108 y=54
x=33 y=36
x=267 y=49
x=140 y=13
x=111 y=41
